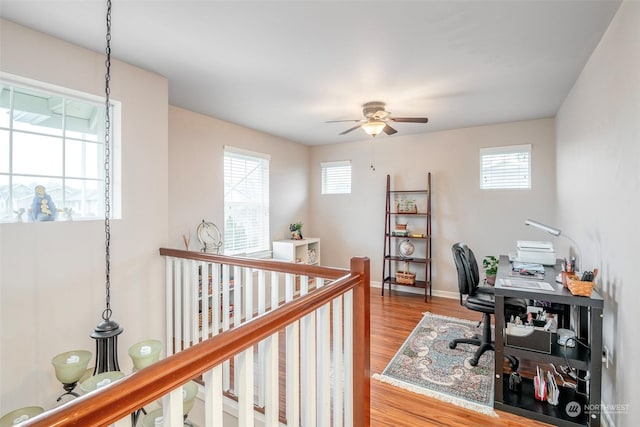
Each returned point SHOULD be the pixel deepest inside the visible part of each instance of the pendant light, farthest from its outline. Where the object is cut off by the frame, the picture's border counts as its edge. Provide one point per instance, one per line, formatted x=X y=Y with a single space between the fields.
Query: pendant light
x=107 y=331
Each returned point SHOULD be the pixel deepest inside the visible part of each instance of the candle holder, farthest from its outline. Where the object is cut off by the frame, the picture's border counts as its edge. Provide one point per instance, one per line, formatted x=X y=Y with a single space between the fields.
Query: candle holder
x=70 y=366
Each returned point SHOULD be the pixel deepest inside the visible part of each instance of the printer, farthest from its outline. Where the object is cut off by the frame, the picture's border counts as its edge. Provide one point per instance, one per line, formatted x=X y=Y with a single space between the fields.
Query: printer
x=536 y=252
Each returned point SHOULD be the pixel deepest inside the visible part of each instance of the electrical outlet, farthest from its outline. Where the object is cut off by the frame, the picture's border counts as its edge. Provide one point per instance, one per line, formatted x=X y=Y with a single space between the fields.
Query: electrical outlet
x=606 y=357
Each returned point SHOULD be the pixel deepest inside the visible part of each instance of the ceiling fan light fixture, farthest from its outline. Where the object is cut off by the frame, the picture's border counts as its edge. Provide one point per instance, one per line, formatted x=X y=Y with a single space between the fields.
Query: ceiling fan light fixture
x=373 y=127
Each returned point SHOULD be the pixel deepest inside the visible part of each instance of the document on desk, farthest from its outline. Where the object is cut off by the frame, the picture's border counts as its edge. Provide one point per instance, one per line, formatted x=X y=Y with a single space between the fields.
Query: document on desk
x=526 y=284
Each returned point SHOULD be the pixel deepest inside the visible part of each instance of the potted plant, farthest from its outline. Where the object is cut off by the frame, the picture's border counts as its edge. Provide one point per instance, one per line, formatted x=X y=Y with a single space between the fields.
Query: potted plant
x=490 y=264
x=296 y=230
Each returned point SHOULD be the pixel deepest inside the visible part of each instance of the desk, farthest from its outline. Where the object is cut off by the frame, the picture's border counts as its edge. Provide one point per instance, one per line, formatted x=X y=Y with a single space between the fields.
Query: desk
x=588 y=326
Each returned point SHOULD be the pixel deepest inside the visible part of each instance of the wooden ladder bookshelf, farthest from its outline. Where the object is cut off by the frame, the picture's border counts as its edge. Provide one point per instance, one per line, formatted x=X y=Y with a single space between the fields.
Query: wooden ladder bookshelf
x=411 y=208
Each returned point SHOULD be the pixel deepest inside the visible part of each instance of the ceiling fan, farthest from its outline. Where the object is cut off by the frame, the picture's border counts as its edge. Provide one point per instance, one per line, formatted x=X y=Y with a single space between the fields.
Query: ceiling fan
x=376 y=118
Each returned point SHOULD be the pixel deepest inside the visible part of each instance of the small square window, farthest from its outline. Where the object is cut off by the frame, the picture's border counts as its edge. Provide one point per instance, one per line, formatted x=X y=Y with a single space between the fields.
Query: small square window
x=506 y=167
x=336 y=177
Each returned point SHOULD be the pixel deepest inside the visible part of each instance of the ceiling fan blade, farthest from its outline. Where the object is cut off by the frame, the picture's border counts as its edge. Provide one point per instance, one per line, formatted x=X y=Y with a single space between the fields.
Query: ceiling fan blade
x=389 y=130
x=349 y=130
x=341 y=121
x=409 y=119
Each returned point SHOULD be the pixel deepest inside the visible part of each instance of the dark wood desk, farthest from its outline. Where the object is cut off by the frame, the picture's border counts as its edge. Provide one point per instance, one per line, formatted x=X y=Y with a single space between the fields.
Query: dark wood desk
x=587 y=323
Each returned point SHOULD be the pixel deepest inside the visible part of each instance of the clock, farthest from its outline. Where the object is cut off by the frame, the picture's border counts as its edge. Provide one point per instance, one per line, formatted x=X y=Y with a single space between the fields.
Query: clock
x=209 y=236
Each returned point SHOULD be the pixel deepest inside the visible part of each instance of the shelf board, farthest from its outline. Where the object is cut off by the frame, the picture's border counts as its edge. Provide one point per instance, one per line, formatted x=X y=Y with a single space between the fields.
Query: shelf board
x=407 y=237
x=400 y=259
x=408 y=191
x=392 y=280
x=409 y=213
x=578 y=356
x=525 y=404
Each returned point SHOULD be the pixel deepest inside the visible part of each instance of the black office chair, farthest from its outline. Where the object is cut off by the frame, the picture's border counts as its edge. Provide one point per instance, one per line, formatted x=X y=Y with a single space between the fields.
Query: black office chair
x=481 y=300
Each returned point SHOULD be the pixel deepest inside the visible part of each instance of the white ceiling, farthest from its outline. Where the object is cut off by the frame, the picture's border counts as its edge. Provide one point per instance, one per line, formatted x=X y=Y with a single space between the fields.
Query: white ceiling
x=286 y=67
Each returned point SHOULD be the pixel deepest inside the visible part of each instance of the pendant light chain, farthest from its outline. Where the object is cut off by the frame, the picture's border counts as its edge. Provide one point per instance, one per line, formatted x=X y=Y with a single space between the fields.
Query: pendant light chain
x=106 y=314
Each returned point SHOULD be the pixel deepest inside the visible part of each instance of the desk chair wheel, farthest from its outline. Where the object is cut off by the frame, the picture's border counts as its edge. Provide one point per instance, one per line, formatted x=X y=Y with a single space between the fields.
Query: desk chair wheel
x=473 y=361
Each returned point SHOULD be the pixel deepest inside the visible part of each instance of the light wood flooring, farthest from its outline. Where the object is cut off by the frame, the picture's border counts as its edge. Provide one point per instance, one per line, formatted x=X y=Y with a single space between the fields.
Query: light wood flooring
x=393 y=317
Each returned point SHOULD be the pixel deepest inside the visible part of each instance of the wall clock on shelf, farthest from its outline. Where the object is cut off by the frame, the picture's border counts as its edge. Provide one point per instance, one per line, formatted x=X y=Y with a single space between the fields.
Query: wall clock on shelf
x=209 y=237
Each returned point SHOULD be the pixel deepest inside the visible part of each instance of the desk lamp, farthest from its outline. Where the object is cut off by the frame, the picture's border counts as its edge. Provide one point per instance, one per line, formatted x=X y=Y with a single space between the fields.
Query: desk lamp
x=556 y=232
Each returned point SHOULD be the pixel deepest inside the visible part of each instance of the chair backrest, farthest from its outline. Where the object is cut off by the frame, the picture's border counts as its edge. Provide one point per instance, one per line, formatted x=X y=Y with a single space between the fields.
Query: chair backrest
x=468 y=274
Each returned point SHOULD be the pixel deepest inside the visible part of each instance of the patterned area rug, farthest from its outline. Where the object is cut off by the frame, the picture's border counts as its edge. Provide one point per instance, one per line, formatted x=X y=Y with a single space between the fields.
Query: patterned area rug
x=426 y=365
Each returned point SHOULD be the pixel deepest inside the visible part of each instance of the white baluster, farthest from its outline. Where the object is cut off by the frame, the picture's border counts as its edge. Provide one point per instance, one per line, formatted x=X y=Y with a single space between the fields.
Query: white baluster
x=187 y=295
x=323 y=336
x=169 y=287
x=338 y=364
x=272 y=400
x=244 y=363
x=172 y=408
x=308 y=369
x=213 y=397
x=204 y=299
x=195 y=301
x=262 y=287
x=348 y=360
x=293 y=374
x=177 y=305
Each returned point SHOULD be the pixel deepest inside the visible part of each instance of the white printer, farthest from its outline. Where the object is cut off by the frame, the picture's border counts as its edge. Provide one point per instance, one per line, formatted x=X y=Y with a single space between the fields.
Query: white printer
x=536 y=252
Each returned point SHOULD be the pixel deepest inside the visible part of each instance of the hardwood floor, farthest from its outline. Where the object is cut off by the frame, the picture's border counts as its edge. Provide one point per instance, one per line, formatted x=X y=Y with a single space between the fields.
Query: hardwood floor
x=393 y=317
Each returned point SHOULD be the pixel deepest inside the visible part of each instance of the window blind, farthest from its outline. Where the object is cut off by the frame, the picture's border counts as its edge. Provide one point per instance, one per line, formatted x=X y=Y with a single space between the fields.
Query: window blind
x=246 y=201
x=507 y=167
x=336 y=177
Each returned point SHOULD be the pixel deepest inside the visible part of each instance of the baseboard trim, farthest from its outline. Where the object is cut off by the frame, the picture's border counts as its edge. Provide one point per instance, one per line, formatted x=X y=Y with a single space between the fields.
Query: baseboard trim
x=418 y=291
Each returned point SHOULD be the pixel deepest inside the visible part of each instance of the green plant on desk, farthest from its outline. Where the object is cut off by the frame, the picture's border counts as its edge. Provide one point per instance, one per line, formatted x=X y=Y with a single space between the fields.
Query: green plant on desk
x=490 y=265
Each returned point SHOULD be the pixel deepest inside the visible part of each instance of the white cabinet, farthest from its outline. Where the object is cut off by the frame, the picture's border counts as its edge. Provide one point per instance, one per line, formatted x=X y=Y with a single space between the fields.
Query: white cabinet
x=305 y=251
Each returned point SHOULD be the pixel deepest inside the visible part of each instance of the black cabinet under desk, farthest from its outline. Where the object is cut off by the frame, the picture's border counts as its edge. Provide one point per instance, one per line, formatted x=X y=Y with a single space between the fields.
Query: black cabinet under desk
x=575 y=407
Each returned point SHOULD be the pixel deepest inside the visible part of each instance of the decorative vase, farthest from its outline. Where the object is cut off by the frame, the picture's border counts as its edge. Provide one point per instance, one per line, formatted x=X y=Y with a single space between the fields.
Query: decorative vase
x=491 y=279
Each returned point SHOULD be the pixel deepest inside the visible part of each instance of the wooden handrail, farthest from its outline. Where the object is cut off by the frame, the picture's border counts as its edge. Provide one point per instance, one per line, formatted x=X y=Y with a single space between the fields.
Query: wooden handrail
x=261 y=264
x=115 y=401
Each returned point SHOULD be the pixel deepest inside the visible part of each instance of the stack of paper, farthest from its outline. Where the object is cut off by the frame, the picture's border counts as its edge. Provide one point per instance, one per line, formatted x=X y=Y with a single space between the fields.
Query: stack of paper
x=536 y=252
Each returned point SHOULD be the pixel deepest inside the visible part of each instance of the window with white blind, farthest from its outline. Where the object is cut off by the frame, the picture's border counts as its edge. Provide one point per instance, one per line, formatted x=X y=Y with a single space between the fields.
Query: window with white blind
x=336 y=177
x=506 y=167
x=246 y=201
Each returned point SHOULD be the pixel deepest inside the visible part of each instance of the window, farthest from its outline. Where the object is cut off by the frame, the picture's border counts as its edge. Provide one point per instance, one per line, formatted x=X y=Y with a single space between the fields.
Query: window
x=246 y=201
x=336 y=177
x=506 y=167
x=54 y=140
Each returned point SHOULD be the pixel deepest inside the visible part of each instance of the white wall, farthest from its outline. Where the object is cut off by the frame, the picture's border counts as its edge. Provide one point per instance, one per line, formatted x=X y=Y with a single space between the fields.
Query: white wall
x=196 y=154
x=488 y=221
x=52 y=274
x=598 y=152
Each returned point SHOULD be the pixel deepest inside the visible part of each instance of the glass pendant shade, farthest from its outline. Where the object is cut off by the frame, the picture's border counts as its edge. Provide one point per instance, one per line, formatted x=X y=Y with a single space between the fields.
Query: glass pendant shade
x=100 y=380
x=153 y=419
x=373 y=127
x=145 y=353
x=71 y=365
x=20 y=415
x=189 y=392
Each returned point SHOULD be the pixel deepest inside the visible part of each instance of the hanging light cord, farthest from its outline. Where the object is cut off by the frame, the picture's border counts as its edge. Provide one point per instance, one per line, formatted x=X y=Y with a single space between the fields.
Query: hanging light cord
x=106 y=314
